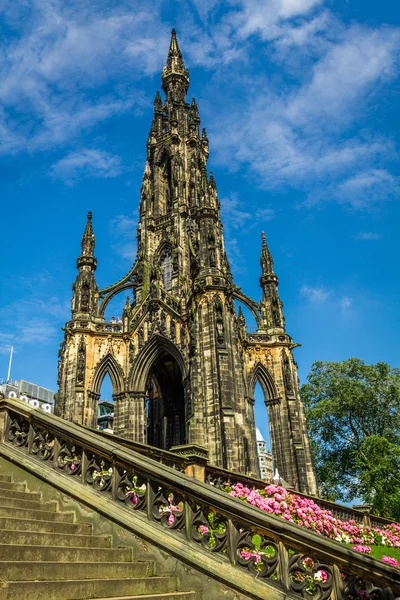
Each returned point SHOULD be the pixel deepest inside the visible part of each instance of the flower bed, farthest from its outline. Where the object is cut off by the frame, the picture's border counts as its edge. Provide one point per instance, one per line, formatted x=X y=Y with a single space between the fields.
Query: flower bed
x=278 y=501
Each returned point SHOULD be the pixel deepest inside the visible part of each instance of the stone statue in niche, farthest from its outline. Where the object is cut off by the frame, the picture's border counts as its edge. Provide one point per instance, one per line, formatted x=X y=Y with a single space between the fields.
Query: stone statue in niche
x=140 y=338
x=276 y=315
x=146 y=186
x=211 y=249
x=162 y=323
x=287 y=373
x=81 y=362
x=131 y=351
x=85 y=296
x=219 y=321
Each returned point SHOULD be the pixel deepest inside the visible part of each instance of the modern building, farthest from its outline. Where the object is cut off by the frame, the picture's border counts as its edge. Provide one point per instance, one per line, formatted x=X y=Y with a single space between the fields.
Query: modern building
x=265 y=459
x=105 y=416
x=34 y=394
x=182 y=364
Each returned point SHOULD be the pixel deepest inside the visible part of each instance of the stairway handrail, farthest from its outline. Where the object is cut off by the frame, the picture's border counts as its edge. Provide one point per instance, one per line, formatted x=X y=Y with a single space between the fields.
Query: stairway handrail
x=300 y=558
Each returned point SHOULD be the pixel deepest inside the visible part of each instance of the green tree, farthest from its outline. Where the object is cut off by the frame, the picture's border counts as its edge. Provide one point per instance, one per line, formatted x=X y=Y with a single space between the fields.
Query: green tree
x=353 y=416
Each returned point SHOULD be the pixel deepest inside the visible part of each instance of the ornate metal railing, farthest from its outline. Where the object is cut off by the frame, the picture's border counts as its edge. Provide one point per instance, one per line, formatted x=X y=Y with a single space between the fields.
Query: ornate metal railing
x=281 y=554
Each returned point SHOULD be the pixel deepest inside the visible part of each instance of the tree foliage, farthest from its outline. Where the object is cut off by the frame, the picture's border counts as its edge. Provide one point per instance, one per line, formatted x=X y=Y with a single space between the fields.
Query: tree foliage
x=353 y=415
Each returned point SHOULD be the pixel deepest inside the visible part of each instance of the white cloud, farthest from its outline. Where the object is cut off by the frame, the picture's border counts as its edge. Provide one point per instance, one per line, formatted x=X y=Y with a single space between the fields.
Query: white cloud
x=62 y=53
x=315 y=295
x=266 y=17
x=233 y=215
x=123 y=229
x=345 y=304
x=368 y=236
x=368 y=189
x=87 y=163
x=299 y=135
x=363 y=58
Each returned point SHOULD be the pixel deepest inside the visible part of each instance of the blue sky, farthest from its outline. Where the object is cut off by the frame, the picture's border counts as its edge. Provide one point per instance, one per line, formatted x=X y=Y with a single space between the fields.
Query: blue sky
x=300 y=100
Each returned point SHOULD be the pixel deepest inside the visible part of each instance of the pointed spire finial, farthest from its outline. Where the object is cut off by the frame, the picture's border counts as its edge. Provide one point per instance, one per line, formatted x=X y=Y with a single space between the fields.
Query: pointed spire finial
x=264 y=240
x=157 y=102
x=174 y=71
x=174 y=52
x=88 y=241
x=267 y=264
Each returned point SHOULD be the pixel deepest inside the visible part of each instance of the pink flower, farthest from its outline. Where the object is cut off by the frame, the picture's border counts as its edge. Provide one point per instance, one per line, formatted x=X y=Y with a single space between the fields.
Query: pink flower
x=364 y=549
x=72 y=467
x=171 y=519
x=203 y=529
x=390 y=561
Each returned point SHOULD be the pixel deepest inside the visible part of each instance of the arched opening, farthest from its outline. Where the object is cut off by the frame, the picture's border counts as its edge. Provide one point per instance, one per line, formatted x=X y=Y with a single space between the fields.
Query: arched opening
x=165 y=405
x=105 y=406
x=263 y=433
x=114 y=308
x=250 y=320
x=164 y=199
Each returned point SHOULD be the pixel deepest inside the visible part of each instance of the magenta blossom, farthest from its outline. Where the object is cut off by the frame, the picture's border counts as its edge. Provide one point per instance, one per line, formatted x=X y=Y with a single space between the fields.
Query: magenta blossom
x=390 y=561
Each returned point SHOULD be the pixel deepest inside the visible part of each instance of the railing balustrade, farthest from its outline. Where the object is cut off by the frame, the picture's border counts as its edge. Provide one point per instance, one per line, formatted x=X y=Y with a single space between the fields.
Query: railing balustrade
x=279 y=553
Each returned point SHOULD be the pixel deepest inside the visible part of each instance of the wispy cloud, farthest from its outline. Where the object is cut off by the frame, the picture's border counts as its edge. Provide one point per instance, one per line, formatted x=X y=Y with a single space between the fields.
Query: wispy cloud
x=306 y=135
x=345 y=304
x=123 y=229
x=315 y=295
x=368 y=236
x=48 y=71
x=87 y=163
x=368 y=189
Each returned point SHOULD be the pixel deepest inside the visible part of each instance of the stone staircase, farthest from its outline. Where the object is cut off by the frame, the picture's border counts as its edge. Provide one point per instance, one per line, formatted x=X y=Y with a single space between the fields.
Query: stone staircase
x=45 y=555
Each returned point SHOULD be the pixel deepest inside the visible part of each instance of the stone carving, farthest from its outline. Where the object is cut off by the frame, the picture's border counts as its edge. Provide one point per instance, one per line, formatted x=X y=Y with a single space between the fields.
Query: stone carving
x=219 y=320
x=81 y=362
x=287 y=373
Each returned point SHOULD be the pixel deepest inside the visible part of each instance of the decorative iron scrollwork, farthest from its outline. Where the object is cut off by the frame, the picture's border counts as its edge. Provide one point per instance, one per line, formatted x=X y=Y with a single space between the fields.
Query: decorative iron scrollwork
x=210 y=530
x=308 y=577
x=18 y=431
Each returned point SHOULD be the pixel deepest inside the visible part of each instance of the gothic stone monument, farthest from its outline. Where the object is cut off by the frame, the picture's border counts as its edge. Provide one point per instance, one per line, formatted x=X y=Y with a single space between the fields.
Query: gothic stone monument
x=182 y=365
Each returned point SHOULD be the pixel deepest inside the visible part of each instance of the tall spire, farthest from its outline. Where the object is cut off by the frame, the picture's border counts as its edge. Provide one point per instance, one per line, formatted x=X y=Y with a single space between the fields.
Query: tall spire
x=267 y=263
x=271 y=305
x=175 y=78
x=174 y=54
x=88 y=239
x=84 y=299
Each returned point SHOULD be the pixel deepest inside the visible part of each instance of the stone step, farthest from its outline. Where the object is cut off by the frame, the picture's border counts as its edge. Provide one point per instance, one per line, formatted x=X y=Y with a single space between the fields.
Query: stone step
x=34 y=538
x=17 y=487
x=43 y=526
x=80 y=589
x=31 y=504
x=39 y=571
x=40 y=515
x=30 y=496
x=170 y=596
x=5 y=477
x=14 y=552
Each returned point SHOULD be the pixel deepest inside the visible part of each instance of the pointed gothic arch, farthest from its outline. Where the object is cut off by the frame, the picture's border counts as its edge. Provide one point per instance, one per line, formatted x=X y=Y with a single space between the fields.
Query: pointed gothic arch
x=148 y=356
x=109 y=365
x=261 y=374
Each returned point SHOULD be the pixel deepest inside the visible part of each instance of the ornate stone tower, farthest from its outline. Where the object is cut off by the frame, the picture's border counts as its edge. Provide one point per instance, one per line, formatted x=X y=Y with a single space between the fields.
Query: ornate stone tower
x=182 y=366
